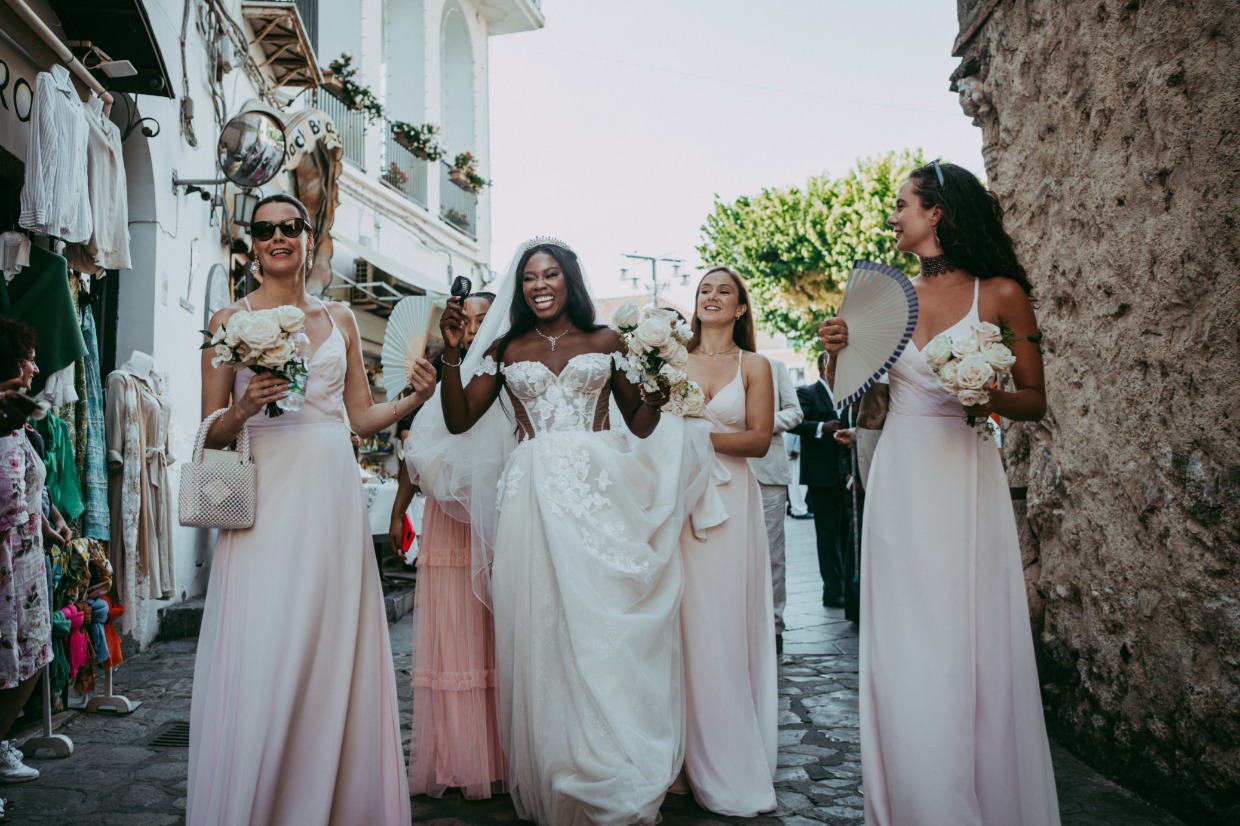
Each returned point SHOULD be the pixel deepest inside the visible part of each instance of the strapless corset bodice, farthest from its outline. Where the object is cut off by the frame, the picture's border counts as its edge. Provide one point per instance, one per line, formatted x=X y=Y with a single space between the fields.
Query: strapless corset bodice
x=571 y=401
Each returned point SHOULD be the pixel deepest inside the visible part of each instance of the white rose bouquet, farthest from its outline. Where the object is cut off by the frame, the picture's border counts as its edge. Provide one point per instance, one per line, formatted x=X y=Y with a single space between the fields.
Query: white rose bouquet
x=967 y=366
x=266 y=341
x=655 y=356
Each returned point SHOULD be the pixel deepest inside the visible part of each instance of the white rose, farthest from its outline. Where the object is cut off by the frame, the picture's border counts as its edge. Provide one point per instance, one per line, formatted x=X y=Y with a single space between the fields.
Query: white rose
x=679 y=357
x=939 y=351
x=694 y=401
x=673 y=374
x=223 y=355
x=987 y=333
x=237 y=326
x=277 y=355
x=969 y=398
x=263 y=330
x=290 y=318
x=998 y=356
x=625 y=318
x=947 y=376
x=964 y=345
x=973 y=372
x=652 y=334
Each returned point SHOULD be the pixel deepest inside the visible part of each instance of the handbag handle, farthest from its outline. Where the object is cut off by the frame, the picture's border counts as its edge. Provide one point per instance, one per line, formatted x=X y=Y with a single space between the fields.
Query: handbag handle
x=243 y=438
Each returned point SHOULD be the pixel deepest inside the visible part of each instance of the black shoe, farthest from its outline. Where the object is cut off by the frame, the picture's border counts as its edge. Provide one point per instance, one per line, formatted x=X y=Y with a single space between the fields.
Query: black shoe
x=779 y=644
x=832 y=602
x=802 y=516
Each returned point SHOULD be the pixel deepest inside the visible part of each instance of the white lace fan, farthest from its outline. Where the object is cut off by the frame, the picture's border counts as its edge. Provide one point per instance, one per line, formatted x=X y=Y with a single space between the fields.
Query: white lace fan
x=412 y=332
x=880 y=307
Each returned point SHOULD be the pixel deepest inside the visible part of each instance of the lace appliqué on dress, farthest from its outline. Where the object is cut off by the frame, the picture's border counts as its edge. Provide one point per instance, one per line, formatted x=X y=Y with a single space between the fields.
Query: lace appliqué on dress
x=486 y=367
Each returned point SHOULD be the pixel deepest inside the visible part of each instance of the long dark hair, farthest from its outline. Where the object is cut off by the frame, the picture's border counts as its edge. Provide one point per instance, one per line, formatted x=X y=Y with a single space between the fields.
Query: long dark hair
x=971 y=229
x=17 y=342
x=580 y=308
x=742 y=328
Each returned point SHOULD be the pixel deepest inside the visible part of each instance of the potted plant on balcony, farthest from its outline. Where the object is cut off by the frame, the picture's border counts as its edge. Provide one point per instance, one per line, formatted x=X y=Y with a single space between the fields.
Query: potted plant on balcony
x=422 y=141
x=394 y=175
x=464 y=173
x=340 y=79
x=456 y=218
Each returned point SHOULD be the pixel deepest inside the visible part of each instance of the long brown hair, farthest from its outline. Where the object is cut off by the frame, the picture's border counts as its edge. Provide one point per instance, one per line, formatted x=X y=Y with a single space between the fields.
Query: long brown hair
x=742 y=328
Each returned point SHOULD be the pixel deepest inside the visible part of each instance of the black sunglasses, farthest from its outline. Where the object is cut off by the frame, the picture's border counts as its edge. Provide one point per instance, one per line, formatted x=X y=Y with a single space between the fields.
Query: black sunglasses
x=264 y=230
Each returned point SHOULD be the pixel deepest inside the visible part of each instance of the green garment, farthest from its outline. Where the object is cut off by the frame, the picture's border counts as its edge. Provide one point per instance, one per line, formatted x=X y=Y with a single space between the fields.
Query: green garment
x=39 y=295
x=62 y=478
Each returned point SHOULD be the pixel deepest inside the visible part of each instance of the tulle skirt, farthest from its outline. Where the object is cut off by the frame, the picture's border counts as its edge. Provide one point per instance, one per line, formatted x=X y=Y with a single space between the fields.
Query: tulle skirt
x=456 y=740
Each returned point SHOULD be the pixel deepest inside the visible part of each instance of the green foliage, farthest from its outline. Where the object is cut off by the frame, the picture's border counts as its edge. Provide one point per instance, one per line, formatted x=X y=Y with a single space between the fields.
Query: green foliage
x=795 y=247
x=357 y=97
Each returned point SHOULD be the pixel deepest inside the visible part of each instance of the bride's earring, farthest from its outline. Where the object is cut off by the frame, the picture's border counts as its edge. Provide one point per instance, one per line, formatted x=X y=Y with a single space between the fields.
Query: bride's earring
x=256 y=268
x=309 y=260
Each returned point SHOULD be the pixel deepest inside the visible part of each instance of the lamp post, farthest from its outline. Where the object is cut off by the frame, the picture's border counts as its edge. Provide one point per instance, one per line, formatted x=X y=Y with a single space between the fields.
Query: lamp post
x=654 y=285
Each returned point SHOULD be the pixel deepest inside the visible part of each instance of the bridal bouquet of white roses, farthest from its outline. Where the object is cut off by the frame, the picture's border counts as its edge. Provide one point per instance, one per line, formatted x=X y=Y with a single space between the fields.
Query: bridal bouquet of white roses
x=966 y=366
x=266 y=341
x=655 y=356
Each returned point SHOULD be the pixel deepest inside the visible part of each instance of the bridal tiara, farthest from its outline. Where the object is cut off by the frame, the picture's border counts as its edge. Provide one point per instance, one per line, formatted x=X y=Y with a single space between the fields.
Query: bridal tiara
x=540 y=240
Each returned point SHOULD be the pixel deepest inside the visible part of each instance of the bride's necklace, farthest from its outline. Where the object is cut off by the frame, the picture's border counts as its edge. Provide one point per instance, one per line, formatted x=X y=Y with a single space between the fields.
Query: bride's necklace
x=720 y=353
x=554 y=339
x=937 y=264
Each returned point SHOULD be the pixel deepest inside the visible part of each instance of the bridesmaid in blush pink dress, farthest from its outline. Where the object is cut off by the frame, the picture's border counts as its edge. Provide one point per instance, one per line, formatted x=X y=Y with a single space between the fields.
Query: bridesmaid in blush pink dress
x=456 y=741
x=727 y=610
x=951 y=715
x=294 y=717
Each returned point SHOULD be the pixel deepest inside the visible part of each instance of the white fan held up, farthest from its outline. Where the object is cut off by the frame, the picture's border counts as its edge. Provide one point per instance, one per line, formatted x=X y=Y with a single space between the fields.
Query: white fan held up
x=880 y=306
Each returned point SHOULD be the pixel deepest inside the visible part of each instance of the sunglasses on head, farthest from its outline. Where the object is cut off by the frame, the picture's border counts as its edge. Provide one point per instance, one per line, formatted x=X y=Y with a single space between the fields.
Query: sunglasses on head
x=264 y=230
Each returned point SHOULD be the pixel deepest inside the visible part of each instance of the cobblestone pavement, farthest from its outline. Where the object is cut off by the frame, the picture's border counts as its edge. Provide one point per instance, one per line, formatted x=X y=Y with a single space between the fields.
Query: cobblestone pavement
x=116 y=777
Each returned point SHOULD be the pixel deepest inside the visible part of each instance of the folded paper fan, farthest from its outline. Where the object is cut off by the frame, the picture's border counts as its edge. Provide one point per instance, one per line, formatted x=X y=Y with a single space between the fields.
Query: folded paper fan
x=412 y=333
x=880 y=307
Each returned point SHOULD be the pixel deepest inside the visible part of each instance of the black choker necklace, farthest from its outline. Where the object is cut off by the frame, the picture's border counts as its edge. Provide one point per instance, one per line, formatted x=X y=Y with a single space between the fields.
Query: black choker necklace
x=937 y=264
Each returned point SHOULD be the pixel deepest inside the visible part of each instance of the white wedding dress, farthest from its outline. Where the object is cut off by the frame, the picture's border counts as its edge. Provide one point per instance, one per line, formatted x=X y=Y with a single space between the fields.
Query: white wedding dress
x=586 y=584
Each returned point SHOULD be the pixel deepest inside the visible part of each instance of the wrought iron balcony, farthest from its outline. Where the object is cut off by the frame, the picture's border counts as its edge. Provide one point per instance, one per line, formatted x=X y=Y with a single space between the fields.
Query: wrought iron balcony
x=404 y=171
x=350 y=124
x=457 y=208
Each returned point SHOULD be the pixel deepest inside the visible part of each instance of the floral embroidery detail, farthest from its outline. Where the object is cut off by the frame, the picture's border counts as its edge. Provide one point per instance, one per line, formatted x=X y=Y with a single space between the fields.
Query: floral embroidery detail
x=509 y=482
x=560 y=403
x=486 y=367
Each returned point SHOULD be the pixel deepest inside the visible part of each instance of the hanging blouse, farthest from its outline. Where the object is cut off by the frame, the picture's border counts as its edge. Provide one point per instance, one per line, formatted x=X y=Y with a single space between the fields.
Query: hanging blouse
x=108 y=247
x=54 y=197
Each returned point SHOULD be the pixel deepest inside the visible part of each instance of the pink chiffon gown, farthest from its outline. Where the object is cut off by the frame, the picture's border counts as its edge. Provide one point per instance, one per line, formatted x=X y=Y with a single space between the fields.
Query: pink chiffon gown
x=294 y=716
x=951 y=716
x=456 y=738
x=728 y=627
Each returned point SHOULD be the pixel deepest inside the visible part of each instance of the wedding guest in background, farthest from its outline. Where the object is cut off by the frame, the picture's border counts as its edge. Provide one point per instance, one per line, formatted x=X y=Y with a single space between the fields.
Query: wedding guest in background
x=456 y=739
x=774 y=475
x=952 y=729
x=824 y=469
x=798 y=508
x=727 y=614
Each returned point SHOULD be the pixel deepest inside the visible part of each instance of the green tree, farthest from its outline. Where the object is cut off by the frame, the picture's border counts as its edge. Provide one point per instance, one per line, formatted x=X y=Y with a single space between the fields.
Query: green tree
x=795 y=248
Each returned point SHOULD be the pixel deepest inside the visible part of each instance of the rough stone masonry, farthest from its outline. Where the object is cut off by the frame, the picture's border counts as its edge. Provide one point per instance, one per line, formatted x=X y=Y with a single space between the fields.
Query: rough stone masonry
x=1111 y=135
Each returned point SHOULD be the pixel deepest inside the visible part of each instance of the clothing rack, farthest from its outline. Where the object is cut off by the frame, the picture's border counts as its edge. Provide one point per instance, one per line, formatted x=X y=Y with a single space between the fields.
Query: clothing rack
x=48 y=744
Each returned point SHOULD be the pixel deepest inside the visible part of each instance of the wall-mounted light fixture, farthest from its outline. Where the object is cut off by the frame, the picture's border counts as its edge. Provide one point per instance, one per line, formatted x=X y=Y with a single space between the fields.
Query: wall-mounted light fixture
x=244 y=203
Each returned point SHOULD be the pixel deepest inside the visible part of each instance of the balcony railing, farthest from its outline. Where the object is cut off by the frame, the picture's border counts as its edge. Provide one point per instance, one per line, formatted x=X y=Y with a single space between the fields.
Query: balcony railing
x=350 y=124
x=457 y=208
x=404 y=171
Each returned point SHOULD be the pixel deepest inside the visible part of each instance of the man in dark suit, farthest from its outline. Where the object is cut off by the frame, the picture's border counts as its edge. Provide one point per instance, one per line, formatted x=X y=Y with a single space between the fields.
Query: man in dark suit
x=825 y=467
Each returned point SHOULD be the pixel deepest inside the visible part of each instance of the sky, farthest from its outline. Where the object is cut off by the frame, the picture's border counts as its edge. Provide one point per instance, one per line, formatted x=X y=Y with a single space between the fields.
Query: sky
x=617 y=125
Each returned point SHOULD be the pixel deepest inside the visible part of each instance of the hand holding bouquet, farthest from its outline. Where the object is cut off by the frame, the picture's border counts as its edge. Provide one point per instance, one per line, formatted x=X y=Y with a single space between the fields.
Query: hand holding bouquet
x=656 y=358
x=266 y=341
x=968 y=366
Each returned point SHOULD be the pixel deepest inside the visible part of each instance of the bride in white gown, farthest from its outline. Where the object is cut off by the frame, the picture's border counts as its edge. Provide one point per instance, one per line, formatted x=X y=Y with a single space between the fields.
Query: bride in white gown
x=586 y=577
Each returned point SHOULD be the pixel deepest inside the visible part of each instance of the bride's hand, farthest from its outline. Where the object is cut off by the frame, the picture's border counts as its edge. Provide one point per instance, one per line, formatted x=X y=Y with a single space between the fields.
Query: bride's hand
x=452 y=323
x=834 y=335
x=656 y=399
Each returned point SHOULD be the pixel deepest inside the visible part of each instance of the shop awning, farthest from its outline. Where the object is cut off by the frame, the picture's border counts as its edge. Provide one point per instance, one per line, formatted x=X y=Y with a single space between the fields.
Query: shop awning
x=281 y=36
x=369 y=280
x=122 y=30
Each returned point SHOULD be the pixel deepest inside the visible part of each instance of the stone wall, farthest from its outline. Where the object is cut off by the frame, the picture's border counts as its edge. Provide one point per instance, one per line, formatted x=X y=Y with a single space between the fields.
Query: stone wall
x=1112 y=136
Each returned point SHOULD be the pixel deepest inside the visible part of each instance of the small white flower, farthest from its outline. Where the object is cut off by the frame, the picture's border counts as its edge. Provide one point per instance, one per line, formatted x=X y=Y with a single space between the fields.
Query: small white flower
x=683 y=331
x=223 y=355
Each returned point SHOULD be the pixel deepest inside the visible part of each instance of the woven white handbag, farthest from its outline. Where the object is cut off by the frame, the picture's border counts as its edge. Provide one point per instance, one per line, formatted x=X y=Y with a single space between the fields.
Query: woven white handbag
x=218 y=487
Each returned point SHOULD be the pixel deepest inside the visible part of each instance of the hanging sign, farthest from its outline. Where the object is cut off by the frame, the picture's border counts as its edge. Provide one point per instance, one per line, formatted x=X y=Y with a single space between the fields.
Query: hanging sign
x=17 y=75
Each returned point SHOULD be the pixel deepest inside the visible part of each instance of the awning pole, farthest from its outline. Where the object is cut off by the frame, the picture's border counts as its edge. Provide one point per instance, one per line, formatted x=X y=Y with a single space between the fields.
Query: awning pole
x=62 y=51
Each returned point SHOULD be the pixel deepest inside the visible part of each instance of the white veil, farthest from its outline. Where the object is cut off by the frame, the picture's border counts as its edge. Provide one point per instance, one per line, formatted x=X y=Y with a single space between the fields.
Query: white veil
x=462 y=472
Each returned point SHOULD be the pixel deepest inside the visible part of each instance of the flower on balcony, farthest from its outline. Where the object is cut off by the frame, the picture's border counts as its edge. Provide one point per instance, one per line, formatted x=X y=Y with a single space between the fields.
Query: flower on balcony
x=394 y=175
x=464 y=173
x=357 y=97
x=456 y=218
x=422 y=141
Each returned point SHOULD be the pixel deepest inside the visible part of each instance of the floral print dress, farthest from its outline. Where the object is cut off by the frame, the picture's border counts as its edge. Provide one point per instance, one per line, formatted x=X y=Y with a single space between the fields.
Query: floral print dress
x=25 y=621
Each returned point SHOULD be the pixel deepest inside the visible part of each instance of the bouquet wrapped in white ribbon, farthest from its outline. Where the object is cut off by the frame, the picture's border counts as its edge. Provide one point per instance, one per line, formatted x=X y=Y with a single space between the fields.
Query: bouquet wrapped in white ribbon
x=655 y=356
x=266 y=341
x=967 y=366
